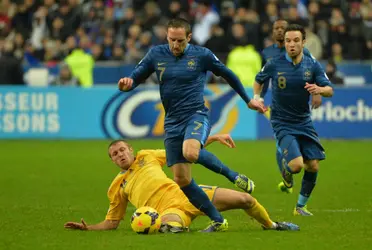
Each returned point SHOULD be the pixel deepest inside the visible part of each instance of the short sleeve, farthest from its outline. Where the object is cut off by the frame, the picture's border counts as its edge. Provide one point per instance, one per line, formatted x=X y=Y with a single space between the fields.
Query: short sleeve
x=266 y=72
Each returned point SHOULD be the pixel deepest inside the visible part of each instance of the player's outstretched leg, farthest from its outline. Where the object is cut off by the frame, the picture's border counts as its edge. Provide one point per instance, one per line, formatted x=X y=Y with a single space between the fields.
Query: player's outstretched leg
x=210 y=161
x=193 y=152
x=227 y=199
x=280 y=161
x=308 y=184
x=200 y=200
x=284 y=226
x=287 y=175
x=290 y=161
x=197 y=197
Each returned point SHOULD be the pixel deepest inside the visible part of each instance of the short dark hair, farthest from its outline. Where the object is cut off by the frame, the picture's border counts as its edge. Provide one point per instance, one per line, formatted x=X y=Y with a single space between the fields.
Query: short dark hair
x=179 y=22
x=280 y=20
x=115 y=142
x=296 y=27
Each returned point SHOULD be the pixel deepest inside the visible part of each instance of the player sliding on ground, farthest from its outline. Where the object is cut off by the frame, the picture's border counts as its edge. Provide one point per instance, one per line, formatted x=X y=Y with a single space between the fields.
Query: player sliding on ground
x=143 y=182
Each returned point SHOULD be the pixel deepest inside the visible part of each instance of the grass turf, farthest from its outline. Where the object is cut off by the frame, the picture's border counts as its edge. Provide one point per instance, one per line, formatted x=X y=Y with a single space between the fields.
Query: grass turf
x=44 y=184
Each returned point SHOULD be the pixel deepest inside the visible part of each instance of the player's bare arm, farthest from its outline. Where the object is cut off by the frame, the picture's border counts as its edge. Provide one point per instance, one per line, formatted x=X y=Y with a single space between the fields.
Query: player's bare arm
x=257 y=89
x=107 y=224
x=316 y=101
x=314 y=89
x=104 y=225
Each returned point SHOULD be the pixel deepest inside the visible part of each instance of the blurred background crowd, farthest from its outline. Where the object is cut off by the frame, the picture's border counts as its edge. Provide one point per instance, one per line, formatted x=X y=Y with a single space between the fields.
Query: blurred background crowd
x=34 y=32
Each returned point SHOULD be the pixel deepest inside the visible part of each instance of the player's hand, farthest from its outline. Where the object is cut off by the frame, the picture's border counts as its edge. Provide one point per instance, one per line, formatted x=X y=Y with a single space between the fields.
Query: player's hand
x=226 y=140
x=76 y=225
x=257 y=105
x=313 y=88
x=125 y=83
x=316 y=101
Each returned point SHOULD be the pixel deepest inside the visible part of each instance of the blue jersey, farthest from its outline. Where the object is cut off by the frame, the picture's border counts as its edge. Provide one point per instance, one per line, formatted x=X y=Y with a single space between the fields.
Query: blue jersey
x=290 y=100
x=182 y=79
x=271 y=52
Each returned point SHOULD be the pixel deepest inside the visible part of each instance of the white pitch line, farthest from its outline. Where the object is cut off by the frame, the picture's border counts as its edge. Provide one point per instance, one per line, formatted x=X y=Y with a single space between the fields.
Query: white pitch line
x=340 y=210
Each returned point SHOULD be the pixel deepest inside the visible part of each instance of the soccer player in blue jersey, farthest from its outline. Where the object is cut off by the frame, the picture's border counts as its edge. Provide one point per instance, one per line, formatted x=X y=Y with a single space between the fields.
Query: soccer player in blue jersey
x=268 y=54
x=295 y=76
x=181 y=70
x=277 y=49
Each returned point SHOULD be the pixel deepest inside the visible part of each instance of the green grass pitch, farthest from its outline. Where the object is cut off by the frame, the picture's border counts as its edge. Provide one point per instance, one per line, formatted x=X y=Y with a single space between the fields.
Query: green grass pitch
x=44 y=184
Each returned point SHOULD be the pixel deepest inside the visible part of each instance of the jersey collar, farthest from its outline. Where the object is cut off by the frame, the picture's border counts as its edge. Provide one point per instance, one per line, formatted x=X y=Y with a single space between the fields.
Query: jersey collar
x=289 y=59
x=186 y=49
x=184 y=52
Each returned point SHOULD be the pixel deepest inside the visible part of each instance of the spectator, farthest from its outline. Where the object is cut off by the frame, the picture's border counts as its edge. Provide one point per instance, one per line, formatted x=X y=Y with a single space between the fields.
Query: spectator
x=205 y=18
x=314 y=44
x=65 y=77
x=244 y=60
x=250 y=21
x=337 y=29
x=151 y=15
x=367 y=31
x=160 y=35
x=118 y=53
x=217 y=42
x=268 y=18
x=11 y=71
x=47 y=31
x=300 y=8
x=227 y=14
x=81 y=65
x=355 y=28
x=331 y=70
x=337 y=55
x=97 y=53
x=313 y=16
x=238 y=36
x=365 y=7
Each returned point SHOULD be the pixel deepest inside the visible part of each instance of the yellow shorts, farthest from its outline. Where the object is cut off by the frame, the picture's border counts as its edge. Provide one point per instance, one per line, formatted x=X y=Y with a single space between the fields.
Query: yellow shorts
x=184 y=209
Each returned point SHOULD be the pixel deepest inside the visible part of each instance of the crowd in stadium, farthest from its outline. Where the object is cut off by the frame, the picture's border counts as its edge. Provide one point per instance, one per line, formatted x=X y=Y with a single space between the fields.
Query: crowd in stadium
x=46 y=31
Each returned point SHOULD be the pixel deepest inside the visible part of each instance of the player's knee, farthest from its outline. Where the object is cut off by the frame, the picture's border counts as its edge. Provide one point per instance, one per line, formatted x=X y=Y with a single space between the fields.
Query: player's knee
x=296 y=168
x=182 y=181
x=191 y=154
x=296 y=165
x=246 y=201
x=312 y=166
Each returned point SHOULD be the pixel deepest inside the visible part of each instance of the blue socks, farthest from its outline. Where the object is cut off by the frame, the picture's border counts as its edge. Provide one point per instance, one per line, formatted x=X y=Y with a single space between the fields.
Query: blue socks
x=211 y=162
x=308 y=184
x=201 y=201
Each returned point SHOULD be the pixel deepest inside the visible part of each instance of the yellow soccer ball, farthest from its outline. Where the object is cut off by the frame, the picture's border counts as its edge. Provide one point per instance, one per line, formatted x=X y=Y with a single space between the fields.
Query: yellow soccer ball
x=145 y=220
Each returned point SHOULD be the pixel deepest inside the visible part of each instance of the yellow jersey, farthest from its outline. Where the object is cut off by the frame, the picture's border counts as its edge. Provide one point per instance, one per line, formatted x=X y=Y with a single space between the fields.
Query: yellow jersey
x=144 y=184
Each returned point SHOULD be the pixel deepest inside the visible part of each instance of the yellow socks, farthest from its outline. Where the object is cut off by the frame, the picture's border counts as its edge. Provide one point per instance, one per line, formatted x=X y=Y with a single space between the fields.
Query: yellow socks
x=259 y=213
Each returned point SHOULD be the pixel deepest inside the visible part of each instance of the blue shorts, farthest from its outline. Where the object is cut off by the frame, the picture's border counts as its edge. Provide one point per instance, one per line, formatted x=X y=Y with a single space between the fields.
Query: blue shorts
x=293 y=146
x=196 y=127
